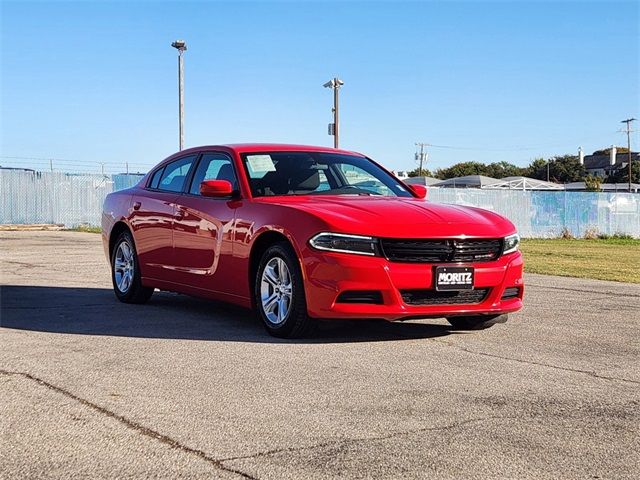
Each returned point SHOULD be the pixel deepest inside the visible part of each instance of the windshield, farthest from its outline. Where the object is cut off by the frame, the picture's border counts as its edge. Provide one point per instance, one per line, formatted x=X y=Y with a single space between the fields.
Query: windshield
x=318 y=173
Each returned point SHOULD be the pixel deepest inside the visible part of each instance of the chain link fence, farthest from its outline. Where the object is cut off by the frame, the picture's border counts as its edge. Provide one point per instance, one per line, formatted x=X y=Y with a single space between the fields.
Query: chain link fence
x=546 y=214
x=69 y=199
x=76 y=199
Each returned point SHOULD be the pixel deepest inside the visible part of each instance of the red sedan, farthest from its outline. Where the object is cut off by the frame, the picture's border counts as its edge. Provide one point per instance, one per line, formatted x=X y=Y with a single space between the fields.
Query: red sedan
x=304 y=233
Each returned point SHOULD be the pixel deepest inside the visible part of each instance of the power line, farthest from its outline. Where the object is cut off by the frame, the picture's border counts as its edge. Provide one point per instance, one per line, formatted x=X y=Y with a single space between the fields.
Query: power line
x=486 y=149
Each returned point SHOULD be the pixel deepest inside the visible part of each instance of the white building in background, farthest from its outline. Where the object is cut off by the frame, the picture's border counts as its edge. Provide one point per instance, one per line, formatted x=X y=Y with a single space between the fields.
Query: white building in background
x=401 y=174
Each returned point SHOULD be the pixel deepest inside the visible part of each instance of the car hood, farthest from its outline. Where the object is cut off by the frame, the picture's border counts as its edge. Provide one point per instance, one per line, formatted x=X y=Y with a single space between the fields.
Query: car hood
x=398 y=217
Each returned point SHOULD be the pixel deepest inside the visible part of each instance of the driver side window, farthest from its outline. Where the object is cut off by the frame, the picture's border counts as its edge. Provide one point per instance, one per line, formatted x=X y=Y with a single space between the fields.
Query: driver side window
x=213 y=166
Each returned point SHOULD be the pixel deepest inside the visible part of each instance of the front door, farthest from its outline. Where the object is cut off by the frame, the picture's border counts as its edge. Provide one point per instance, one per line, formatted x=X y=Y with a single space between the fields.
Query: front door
x=203 y=228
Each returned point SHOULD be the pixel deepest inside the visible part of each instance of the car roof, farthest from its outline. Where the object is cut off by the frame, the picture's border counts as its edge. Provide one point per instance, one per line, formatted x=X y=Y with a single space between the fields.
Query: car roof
x=268 y=147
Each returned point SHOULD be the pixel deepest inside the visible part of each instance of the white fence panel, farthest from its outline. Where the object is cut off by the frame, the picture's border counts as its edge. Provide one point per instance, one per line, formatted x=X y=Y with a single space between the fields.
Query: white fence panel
x=72 y=200
x=544 y=214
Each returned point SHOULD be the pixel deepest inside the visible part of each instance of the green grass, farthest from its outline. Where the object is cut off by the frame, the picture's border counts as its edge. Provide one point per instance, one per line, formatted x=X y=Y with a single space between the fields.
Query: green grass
x=616 y=259
x=85 y=228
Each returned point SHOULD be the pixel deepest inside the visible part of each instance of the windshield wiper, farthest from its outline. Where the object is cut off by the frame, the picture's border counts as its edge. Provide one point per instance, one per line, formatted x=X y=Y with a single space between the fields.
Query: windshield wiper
x=361 y=191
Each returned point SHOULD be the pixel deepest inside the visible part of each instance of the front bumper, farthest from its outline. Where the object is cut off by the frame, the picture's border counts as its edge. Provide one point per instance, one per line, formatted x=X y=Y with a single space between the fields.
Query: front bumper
x=329 y=274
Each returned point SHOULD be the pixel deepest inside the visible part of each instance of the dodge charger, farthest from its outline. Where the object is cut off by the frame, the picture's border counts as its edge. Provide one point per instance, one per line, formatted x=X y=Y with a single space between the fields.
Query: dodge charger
x=301 y=233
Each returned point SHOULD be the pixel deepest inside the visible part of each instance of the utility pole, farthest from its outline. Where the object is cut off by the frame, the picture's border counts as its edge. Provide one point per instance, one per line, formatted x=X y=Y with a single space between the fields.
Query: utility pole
x=334 y=128
x=421 y=156
x=628 y=131
x=548 y=161
x=181 y=46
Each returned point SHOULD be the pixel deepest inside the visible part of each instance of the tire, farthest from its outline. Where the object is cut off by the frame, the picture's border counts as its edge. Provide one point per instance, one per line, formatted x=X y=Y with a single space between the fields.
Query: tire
x=476 y=322
x=126 y=279
x=279 y=294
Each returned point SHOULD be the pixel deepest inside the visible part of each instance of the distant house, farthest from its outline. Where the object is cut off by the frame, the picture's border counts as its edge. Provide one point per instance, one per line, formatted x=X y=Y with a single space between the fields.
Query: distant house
x=608 y=164
x=401 y=174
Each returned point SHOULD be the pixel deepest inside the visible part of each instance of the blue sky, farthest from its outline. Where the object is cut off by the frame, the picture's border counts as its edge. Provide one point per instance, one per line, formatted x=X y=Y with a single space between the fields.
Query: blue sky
x=95 y=82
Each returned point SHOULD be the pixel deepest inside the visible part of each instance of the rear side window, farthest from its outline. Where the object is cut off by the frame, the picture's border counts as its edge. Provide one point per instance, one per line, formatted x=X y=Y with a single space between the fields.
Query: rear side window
x=155 y=179
x=175 y=174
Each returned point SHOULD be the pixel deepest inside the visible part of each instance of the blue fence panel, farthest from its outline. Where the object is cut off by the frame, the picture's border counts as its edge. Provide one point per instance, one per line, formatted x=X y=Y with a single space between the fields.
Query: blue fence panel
x=120 y=182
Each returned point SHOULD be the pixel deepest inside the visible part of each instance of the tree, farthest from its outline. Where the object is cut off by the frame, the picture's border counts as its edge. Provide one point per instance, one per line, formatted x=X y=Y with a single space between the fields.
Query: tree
x=416 y=173
x=461 y=170
x=622 y=175
x=504 y=169
x=592 y=183
x=563 y=169
x=537 y=169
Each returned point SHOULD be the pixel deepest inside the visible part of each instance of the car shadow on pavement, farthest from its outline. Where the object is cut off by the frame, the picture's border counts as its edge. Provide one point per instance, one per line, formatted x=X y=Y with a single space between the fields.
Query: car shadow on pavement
x=95 y=311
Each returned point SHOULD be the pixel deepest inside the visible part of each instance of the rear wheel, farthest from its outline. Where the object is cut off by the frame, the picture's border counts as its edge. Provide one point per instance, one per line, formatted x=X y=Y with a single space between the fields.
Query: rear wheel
x=125 y=272
x=476 y=322
x=279 y=293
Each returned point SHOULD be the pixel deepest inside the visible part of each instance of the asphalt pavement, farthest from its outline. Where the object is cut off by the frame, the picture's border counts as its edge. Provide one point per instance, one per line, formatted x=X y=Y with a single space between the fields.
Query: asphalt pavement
x=188 y=388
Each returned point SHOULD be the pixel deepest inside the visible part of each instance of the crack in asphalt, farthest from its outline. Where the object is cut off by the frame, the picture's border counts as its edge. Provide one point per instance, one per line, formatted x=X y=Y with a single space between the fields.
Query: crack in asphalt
x=22 y=264
x=540 y=364
x=219 y=463
x=131 y=424
x=347 y=441
x=583 y=290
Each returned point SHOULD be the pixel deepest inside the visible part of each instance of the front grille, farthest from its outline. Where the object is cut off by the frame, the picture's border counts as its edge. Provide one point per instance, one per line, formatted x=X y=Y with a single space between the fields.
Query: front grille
x=441 y=250
x=360 y=296
x=434 y=297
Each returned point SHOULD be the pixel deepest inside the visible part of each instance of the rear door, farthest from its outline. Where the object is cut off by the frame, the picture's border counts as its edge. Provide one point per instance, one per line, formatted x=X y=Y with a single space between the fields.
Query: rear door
x=203 y=227
x=153 y=216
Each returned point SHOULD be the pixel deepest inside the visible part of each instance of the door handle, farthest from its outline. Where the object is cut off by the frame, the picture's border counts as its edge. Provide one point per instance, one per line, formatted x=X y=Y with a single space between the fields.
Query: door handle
x=136 y=205
x=180 y=213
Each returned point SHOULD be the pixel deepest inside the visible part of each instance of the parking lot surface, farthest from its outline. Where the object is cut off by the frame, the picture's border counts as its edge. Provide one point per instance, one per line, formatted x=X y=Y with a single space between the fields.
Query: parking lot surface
x=181 y=387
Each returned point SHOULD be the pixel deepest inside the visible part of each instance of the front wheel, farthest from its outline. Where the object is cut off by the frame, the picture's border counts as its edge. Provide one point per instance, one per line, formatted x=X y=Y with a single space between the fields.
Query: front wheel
x=125 y=272
x=476 y=322
x=279 y=293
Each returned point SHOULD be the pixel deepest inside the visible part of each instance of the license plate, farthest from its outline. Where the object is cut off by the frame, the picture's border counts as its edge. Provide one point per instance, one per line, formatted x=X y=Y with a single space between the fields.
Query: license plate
x=454 y=278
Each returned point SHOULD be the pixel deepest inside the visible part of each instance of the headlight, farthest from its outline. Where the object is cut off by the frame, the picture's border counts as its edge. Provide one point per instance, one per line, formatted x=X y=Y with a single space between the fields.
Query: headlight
x=511 y=243
x=340 y=242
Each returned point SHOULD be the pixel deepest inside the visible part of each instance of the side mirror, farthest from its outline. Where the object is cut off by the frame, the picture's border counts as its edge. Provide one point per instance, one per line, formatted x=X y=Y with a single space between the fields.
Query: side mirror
x=216 y=188
x=419 y=191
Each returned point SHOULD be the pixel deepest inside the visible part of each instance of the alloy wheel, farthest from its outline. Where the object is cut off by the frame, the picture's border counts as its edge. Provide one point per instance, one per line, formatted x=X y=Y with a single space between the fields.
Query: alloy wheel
x=276 y=290
x=124 y=266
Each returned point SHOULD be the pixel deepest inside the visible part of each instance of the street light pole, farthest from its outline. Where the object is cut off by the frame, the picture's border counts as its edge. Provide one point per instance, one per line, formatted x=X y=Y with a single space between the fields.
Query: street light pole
x=181 y=46
x=334 y=128
x=628 y=131
x=336 y=118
